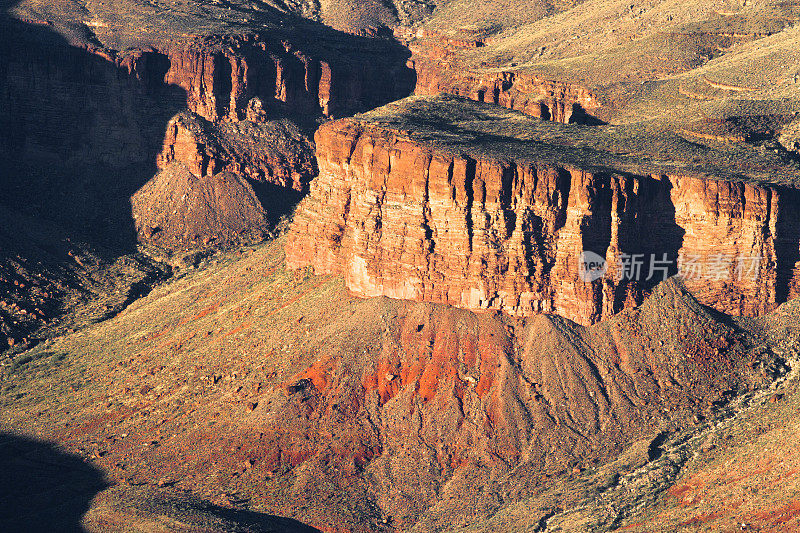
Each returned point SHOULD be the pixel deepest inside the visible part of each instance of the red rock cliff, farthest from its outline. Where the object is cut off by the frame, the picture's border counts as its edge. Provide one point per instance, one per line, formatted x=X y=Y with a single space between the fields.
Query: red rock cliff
x=221 y=76
x=83 y=128
x=438 y=71
x=407 y=220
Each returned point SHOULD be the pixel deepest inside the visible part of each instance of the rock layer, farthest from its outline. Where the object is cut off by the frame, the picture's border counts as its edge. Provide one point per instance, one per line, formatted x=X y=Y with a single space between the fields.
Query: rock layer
x=406 y=219
x=556 y=100
x=274 y=152
x=83 y=128
x=221 y=76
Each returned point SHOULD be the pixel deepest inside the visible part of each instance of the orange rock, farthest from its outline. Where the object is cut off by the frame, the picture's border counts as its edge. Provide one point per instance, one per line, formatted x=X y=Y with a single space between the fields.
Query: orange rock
x=274 y=152
x=406 y=220
x=560 y=101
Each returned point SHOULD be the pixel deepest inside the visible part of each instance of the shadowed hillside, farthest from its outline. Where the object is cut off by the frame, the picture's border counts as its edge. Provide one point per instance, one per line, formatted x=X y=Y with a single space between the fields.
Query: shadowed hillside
x=43 y=488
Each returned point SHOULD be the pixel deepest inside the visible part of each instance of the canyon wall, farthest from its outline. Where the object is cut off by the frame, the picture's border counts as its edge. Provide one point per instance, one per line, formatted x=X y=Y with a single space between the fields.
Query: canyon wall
x=70 y=104
x=83 y=128
x=403 y=219
x=67 y=105
x=80 y=130
x=438 y=70
x=221 y=76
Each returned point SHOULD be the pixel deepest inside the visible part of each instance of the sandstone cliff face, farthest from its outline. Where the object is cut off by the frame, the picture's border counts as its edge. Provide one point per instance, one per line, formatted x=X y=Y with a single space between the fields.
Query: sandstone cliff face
x=406 y=220
x=71 y=105
x=221 y=76
x=55 y=91
x=82 y=129
x=437 y=71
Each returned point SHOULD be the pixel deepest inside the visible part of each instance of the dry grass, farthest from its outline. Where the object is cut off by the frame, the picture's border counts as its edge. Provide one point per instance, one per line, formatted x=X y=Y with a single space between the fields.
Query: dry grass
x=621 y=50
x=190 y=382
x=457 y=125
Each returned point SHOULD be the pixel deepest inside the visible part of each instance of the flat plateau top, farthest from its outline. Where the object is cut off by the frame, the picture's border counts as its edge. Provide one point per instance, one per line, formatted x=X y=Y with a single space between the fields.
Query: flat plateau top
x=126 y=24
x=456 y=125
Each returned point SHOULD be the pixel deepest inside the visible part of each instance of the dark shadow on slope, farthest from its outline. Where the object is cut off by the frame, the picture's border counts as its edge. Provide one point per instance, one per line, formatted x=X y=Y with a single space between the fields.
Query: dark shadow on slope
x=252 y=521
x=79 y=132
x=187 y=512
x=277 y=201
x=43 y=488
x=580 y=116
x=786 y=247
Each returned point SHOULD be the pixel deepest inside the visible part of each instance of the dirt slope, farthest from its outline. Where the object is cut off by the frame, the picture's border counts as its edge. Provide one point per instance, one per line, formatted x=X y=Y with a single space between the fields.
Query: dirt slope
x=253 y=386
x=746 y=474
x=176 y=208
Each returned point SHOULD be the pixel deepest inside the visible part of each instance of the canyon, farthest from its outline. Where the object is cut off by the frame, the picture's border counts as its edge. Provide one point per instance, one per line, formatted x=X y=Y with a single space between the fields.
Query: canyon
x=416 y=215
x=107 y=135
x=399 y=265
x=244 y=103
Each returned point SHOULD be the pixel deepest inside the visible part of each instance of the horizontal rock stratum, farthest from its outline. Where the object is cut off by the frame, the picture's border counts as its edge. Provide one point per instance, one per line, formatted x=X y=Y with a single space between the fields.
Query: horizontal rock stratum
x=548 y=99
x=449 y=201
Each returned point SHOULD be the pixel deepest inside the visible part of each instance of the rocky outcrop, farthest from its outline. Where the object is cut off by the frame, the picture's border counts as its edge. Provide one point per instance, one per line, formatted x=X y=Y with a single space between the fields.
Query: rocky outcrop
x=221 y=76
x=274 y=151
x=438 y=71
x=539 y=97
x=790 y=137
x=408 y=219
